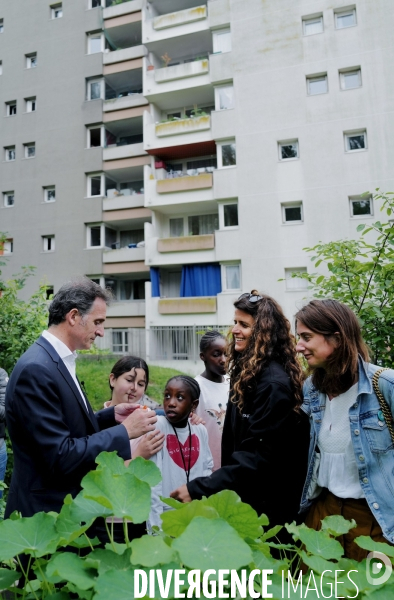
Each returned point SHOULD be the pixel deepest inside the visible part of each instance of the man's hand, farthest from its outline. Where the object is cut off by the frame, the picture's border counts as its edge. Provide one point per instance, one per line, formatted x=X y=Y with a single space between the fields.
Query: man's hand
x=141 y=421
x=181 y=494
x=124 y=410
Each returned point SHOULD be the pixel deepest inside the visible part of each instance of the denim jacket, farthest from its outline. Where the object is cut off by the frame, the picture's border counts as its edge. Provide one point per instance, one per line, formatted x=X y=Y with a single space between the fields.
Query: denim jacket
x=372 y=443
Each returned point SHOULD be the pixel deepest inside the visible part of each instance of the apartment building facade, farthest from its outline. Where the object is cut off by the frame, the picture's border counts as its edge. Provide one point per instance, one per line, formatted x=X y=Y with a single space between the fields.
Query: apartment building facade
x=181 y=152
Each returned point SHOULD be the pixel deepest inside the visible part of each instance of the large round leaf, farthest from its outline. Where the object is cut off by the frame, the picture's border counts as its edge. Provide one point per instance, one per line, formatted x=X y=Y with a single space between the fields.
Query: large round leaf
x=70 y=567
x=31 y=535
x=150 y=551
x=239 y=515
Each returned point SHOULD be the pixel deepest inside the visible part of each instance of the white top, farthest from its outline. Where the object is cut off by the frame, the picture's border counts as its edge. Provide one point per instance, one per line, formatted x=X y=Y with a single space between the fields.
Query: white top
x=338 y=470
x=212 y=408
x=67 y=357
x=169 y=460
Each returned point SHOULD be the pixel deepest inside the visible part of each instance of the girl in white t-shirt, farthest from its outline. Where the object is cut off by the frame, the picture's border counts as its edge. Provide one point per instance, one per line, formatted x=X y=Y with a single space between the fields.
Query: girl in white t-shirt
x=214 y=387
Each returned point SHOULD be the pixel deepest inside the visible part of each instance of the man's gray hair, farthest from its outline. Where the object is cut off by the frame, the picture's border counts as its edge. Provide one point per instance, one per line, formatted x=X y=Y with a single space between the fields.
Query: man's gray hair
x=79 y=293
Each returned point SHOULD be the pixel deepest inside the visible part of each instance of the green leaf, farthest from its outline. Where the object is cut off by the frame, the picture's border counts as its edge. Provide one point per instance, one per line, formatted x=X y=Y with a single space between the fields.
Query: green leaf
x=367 y=543
x=106 y=560
x=8 y=578
x=84 y=510
x=319 y=279
x=69 y=567
x=360 y=227
x=336 y=525
x=201 y=545
x=30 y=535
x=115 y=585
x=174 y=523
x=145 y=470
x=125 y=495
x=261 y=562
x=317 y=563
x=317 y=542
x=67 y=526
x=111 y=461
x=150 y=551
x=239 y=515
x=58 y=596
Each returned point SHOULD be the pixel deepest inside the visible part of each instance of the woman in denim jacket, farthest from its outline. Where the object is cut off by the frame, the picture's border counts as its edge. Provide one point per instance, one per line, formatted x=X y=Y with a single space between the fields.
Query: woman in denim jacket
x=3 y=450
x=351 y=453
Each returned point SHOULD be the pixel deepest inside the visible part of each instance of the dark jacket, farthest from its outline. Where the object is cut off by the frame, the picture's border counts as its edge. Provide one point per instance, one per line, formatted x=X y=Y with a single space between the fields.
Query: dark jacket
x=264 y=450
x=54 y=438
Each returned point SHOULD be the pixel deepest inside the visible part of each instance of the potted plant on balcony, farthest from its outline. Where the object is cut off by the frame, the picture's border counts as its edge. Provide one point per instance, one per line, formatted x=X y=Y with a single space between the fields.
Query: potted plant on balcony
x=166 y=59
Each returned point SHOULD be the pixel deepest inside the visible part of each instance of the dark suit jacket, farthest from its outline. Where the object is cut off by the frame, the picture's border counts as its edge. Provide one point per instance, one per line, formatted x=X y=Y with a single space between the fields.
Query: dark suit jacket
x=54 y=438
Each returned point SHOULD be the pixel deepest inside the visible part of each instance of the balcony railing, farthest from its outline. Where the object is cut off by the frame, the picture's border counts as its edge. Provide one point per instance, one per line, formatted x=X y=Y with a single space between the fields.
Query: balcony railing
x=182 y=306
x=186 y=125
x=186 y=243
x=184 y=184
x=181 y=17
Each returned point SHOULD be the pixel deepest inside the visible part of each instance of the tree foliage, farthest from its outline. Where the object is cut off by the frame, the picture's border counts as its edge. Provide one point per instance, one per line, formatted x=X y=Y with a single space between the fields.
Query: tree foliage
x=361 y=275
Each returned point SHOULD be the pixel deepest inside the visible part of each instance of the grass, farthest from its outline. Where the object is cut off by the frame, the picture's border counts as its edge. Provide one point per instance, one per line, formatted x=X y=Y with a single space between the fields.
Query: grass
x=95 y=373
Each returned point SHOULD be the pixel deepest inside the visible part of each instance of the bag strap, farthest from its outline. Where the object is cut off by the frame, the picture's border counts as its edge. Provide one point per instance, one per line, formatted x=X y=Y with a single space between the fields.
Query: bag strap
x=383 y=404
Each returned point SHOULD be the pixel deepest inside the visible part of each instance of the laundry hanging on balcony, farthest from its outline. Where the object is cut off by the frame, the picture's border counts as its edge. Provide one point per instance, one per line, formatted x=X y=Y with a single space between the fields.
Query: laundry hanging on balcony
x=200 y=280
x=155 y=280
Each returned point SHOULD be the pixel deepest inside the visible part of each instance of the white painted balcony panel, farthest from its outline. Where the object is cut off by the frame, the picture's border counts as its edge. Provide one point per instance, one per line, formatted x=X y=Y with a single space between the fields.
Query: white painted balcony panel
x=221 y=67
x=228 y=245
x=110 y=58
x=125 y=102
x=128 y=151
x=182 y=126
x=190 y=15
x=218 y=13
x=122 y=9
x=154 y=199
x=182 y=71
x=223 y=124
x=225 y=183
x=126 y=308
x=124 y=202
x=154 y=318
x=123 y=255
x=177 y=133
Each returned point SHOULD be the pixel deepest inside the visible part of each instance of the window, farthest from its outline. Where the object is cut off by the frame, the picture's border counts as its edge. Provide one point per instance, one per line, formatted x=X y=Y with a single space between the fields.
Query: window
x=31 y=104
x=100 y=236
x=50 y=193
x=30 y=150
x=203 y=224
x=224 y=97
x=228 y=215
x=231 y=277
x=1 y=67
x=31 y=60
x=345 y=17
x=222 y=40
x=176 y=227
x=361 y=206
x=295 y=283
x=9 y=153
x=56 y=11
x=120 y=341
x=95 y=137
x=8 y=246
x=95 y=185
x=312 y=24
x=95 y=43
x=11 y=108
x=292 y=212
x=226 y=152
x=288 y=150
x=1 y=25
x=9 y=199
x=95 y=89
x=350 y=79
x=356 y=140
x=48 y=243
x=95 y=3
x=317 y=84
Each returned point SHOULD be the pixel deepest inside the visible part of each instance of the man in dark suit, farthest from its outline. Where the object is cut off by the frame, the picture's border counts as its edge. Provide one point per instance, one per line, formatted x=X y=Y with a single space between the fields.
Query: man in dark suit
x=55 y=434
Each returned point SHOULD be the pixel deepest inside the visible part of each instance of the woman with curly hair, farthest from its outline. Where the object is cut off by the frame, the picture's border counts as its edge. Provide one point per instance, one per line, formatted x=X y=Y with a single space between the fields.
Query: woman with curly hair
x=265 y=435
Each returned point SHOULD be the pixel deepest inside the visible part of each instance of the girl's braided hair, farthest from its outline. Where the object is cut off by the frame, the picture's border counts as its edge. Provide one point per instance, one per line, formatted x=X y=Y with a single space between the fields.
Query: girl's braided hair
x=190 y=383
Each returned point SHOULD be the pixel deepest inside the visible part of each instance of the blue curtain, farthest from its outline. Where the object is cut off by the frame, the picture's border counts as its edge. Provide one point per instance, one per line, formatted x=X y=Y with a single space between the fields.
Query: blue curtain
x=155 y=279
x=200 y=280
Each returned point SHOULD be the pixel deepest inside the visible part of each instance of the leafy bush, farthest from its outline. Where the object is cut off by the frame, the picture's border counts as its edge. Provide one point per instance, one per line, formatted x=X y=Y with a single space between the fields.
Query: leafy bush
x=219 y=532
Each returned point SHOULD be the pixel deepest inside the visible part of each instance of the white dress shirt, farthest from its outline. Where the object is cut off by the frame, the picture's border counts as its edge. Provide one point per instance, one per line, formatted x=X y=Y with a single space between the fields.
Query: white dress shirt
x=67 y=357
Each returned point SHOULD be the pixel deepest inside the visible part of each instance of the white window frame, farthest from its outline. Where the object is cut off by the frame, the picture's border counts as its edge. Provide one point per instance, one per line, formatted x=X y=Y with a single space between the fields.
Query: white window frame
x=349 y=134
x=288 y=143
x=7 y=150
x=45 y=243
x=318 y=17
x=91 y=4
x=296 y=204
x=48 y=196
x=223 y=267
x=55 y=9
x=342 y=12
x=90 y=82
x=29 y=58
x=6 y=196
x=216 y=34
x=96 y=35
x=102 y=136
x=1 y=25
x=1 y=67
x=217 y=96
x=31 y=104
x=351 y=71
x=88 y=235
x=26 y=149
x=353 y=199
x=221 y=206
x=220 y=156
x=315 y=78
x=125 y=347
x=89 y=186
x=8 y=246
x=298 y=284
x=11 y=108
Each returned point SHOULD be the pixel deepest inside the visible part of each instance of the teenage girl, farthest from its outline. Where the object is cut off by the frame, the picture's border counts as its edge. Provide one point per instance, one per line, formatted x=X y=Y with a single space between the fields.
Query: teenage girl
x=185 y=454
x=214 y=388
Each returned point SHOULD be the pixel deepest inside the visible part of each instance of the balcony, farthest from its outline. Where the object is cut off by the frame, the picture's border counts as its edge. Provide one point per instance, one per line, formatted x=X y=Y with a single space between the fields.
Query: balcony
x=123 y=151
x=182 y=71
x=126 y=308
x=185 y=184
x=123 y=255
x=123 y=56
x=181 y=306
x=124 y=104
x=190 y=15
x=186 y=243
x=123 y=202
x=182 y=126
x=126 y=9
